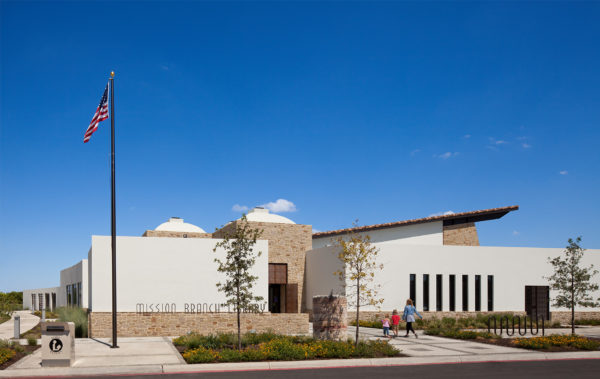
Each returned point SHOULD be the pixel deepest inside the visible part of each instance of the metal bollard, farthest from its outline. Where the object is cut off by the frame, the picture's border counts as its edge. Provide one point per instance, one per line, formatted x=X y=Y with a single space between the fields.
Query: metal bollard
x=17 y=327
x=43 y=314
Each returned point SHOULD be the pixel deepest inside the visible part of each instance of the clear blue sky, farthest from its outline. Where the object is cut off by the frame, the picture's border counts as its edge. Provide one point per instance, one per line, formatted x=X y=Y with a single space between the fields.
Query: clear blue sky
x=380 y=112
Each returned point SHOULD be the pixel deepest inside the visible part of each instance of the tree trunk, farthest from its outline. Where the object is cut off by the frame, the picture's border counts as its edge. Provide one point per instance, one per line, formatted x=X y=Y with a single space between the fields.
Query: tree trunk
x=572 y=306
x=357 y=310
x=239 y=330
x=239 y=327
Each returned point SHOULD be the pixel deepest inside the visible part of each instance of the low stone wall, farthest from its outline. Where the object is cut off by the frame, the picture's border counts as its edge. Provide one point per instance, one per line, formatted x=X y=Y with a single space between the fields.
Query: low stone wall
x=563 y=317
x=132 y=324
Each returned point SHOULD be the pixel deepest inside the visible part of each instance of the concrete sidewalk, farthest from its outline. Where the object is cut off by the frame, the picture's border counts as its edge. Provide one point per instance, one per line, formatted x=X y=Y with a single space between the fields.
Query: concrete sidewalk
x=28 y=322
x=155 y=355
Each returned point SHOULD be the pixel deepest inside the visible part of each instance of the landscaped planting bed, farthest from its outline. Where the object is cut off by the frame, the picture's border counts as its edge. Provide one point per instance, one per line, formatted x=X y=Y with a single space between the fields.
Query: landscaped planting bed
x=556 y=342
x=273 y=347
x=551 y=343
x=11 y=352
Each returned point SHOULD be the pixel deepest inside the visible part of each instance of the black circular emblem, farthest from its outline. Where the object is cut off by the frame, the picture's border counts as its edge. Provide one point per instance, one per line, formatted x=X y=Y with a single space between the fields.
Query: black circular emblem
x=56 y=345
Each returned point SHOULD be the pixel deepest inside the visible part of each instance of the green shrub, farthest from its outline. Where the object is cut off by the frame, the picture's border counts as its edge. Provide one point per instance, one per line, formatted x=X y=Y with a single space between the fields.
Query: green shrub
x=282 y=349
x=368 y=324
x=542 y=343
x=593 y=322
x=76 y=315
x=199 y=355
x=6 y=354
x=31 y=341
x=49 y=314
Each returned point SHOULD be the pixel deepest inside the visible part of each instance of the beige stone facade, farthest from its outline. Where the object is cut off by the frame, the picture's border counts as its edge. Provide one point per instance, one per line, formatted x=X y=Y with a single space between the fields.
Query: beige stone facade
x=288 y=244
x=330 y=317
x=461 y=234
x=565 y=317
x=132 y=324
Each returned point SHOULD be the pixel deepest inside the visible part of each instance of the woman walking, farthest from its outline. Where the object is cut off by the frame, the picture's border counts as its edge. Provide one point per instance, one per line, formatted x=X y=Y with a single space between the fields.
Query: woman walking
x=409 y=317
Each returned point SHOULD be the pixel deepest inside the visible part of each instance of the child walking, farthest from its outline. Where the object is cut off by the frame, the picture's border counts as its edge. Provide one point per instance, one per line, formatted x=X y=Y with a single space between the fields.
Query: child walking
x=409 y=317
x=386 y=326
x=395 y=322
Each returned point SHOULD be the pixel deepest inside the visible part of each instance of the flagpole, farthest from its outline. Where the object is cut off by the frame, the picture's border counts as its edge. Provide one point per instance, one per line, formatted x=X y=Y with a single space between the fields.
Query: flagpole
x=113 y=218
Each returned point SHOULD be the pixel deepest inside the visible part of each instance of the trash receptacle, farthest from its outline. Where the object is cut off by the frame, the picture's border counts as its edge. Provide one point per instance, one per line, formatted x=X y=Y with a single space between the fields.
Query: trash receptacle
x=58 y=344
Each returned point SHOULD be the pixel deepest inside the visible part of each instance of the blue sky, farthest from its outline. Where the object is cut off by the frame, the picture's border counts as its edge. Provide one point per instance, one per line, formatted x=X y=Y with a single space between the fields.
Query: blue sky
x=371 y=111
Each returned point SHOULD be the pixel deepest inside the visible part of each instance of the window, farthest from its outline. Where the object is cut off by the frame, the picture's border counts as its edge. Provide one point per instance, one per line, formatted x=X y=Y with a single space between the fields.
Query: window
x=490 y=293
x=452 y=287
x=79 y=294
x=33 y=302
x=438 y=292
x=478 y=293
x=465 y=293
x=278 y=273
x=426 y=292
x=413 y=288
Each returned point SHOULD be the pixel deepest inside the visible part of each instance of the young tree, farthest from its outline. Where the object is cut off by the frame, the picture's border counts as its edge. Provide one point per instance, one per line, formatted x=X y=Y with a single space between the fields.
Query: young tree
x=359 y=258
x=572 y=281
x=239 y=259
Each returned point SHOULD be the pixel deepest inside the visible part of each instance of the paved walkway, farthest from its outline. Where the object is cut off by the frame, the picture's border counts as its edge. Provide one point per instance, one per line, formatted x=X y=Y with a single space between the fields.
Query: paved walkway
x=430 y=346
x=98 y=353
x=28 y=321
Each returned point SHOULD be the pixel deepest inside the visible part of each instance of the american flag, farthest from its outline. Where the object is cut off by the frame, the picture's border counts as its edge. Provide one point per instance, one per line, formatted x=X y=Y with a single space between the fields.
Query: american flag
x=100 y=115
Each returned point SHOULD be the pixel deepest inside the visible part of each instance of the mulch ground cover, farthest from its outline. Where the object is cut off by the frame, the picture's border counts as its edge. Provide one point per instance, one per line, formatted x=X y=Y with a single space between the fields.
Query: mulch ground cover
x=27 y=350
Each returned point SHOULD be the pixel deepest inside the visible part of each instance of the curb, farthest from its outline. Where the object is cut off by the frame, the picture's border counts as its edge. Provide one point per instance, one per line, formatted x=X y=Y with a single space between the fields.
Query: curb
x=293 y=365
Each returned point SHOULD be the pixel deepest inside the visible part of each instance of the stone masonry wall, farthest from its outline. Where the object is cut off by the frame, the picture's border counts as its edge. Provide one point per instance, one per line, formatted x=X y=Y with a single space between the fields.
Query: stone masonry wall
x=562 y=317
x=132 y=324
x=164 y=233
x=461 y=234
x=288 y=243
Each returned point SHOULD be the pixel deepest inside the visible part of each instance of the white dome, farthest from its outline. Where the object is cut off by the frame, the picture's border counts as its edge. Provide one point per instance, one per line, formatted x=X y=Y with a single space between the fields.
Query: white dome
x=263 y=215
x=176 y=224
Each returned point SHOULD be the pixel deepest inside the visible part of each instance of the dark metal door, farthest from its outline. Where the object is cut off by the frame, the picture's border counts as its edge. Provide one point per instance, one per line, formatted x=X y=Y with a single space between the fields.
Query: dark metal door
x=537 y=301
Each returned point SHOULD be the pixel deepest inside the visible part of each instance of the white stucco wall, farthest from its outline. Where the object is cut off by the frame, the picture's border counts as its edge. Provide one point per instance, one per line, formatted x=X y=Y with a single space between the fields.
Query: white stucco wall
x=319 y=274
x=27 y=297
x=153 y=270
x=512 y=267
x=78 y=273
x=430 y=233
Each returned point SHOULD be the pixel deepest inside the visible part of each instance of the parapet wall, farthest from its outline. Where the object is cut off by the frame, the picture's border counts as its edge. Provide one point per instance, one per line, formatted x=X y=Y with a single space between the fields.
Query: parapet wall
x=132 y=324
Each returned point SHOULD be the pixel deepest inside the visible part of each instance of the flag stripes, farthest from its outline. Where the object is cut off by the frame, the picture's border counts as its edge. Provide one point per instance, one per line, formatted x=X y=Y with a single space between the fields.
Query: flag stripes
x=100 y=115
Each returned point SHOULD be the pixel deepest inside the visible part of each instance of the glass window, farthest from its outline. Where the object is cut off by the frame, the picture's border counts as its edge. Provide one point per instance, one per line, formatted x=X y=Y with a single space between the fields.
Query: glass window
x=79 y=294
x=465 y=293
x=452 y=287
x=490 y=291
x=478 y=293
x=426 y=292
x=438 y=292
x=413 y=288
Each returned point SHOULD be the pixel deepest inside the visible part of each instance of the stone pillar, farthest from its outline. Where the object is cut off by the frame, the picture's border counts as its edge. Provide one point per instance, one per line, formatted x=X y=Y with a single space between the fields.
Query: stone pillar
x=330 y=314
